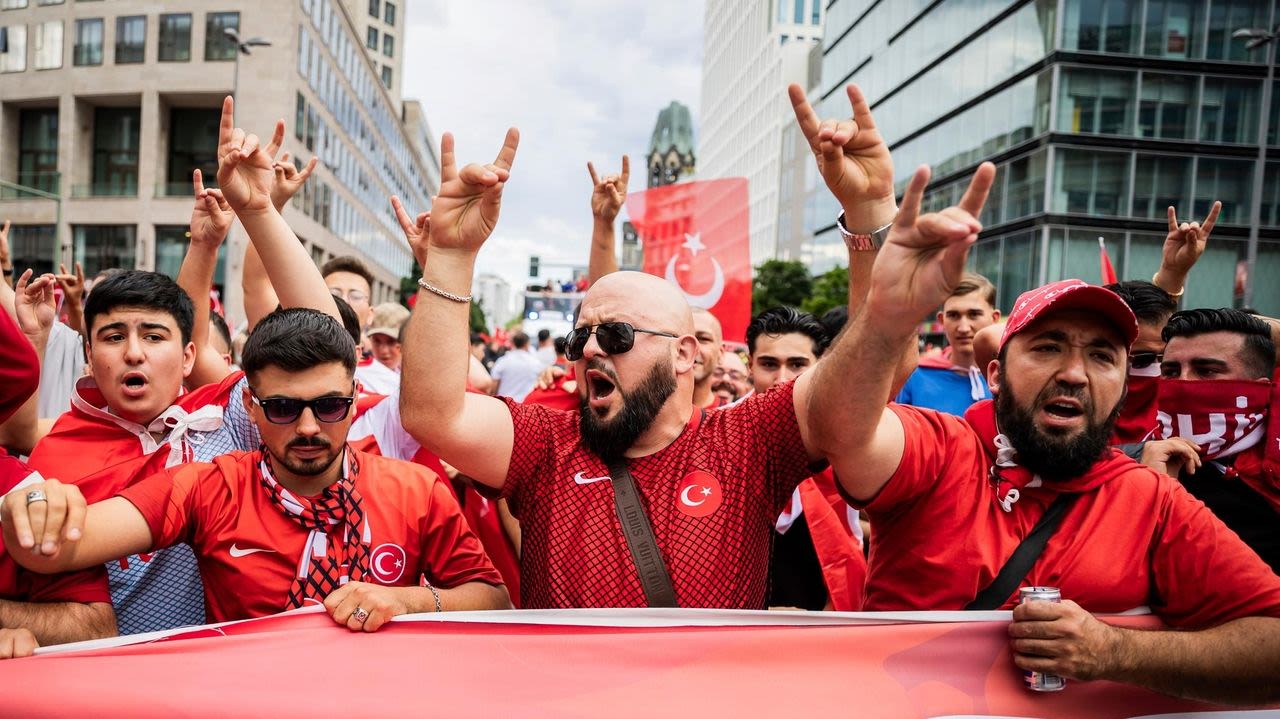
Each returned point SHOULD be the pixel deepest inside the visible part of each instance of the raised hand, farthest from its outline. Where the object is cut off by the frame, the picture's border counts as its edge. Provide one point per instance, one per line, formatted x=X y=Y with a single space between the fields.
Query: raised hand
x=417 y=231
x=853 y=159
x=1186 y=242
x=4 y=246
x=245 y=168
x=467 y=207
x=288 y=179
x=72 y=284
x=211 y=217
x=924 y=255
x=608 y=193
x=35 y=306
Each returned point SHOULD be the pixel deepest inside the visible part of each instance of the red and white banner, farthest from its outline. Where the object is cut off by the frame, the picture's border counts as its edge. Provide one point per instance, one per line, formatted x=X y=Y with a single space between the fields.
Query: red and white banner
x=697 y=235
x=568 y=663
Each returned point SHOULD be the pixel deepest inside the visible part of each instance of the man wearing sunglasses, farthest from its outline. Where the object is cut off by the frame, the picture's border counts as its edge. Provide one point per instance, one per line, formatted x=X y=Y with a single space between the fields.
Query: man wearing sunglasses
x=304 y=520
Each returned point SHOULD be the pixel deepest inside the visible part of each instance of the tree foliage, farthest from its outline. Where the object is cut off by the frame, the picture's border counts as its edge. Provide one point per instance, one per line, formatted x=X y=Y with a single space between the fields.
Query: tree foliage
x=830 y=289
x=780 y=282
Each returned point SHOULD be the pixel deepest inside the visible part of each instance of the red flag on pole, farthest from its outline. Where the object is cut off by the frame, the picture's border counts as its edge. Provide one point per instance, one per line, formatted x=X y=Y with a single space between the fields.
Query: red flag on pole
x=1108 y=272
x=697 y=235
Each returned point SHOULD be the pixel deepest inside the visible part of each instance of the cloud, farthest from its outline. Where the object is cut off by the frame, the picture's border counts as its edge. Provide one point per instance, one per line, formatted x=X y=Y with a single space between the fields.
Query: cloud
x=583 y=80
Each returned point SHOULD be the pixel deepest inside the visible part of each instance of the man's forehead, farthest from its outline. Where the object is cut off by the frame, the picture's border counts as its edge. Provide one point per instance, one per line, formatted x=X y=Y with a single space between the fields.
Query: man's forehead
x=327 y=378
x=789 y=344
x=344 y=280
x=1210 y=345
x=134 y=316
x=964 y=303
x=1080 y=326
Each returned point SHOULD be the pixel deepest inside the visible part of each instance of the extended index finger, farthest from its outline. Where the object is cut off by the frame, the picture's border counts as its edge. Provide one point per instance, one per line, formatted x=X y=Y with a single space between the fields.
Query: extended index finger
x=979 y=188
x=448 y=165
x=1207 y=226
x=228 y=123
x=402 y=217
x=626 y=170
x=861 y=108
x=1173 y=219
x=912 y=197
x=806 y=118
x=197 y=179
x=507 y=155
x=277 y=139
x=595 y=179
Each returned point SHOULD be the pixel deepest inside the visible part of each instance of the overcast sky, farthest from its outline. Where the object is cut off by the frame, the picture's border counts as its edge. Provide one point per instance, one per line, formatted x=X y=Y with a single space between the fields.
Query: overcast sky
x=582 y=79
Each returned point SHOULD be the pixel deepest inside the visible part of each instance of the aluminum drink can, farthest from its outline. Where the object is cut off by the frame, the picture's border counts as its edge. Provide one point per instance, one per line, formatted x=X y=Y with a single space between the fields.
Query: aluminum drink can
x=1039 y=681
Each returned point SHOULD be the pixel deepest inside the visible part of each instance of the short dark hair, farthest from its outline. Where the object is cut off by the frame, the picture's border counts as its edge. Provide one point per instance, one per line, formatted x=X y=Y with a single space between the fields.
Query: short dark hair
x=834 y=320
x=560 y=343
x=519 y=340
x=297 y=339
x=787 y=320
x=220 y=324
x=1150 y=304
x=144 y=290
x=348 y=263
x=543 y=335
x=1259 y=350
x=476 y=339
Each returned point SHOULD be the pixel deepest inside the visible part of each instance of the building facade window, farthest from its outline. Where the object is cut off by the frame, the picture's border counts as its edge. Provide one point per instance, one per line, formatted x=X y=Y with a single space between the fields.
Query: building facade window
x=1229 y=110
x=1090 y=182
x=1175 y=28
x=115 y=151
x=1228 y=181
x=193 y=144
x=38 y=149
x=101 y=247
x=375 y=8
x=175 y=37
x=299 y=116
x=1161 y=181
x=1096 y=102
x=390 y=14
x=47 y=45
x=1227 y=16
x=88 y=46
x=1101 y=25
x=388 y=46
x=131 y=39
x=217 y=46
x=1164 y=109
x=34 y=247
x=14 y=40
x=386 y=76
x=12 y=4
x=371 y=38
x=172 y=242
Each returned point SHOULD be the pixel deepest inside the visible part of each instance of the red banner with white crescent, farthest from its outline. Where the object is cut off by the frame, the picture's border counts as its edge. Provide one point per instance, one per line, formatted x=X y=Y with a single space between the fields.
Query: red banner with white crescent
x=569 y=663
x=697 y=235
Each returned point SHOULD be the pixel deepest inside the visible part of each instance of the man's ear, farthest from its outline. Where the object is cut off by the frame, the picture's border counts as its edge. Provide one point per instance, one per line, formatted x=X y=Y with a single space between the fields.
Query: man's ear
x=188 y=359
x=686 y=353
x=939 y=317
x=995 y=316
x=248 y=402
x=993 y=376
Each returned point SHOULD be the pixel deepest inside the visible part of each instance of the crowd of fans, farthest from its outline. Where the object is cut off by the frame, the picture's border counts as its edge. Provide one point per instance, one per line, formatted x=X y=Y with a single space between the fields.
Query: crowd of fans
x=165 y=471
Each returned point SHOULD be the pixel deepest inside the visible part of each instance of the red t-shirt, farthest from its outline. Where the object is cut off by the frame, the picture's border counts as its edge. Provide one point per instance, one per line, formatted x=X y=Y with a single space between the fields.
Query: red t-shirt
x=1138 y=539
x=249 y=551
x=20 y=370
x=712 y=497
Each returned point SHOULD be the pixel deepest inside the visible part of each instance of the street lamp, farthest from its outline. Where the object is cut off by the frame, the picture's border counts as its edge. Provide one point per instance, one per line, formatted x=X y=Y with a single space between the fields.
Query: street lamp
x=242 y=46
x=1256 y=38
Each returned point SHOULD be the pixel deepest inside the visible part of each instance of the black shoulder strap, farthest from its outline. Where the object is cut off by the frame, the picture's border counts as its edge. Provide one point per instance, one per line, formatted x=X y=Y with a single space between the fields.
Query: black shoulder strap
x=1024 y=556
x=658 y=591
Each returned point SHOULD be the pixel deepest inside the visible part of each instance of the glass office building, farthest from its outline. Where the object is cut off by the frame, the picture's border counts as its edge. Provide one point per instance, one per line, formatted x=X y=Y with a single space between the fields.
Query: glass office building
x=1099 y=114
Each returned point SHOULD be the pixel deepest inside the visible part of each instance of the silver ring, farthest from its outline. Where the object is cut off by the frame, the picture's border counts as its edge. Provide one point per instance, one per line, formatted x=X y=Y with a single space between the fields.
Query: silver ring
x=36 y=495
x=360 y=614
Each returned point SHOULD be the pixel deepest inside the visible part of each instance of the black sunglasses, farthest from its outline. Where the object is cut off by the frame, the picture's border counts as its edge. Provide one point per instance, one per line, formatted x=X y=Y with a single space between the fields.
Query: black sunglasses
x=614 y=338
x=1143 y=360
x=287 y=410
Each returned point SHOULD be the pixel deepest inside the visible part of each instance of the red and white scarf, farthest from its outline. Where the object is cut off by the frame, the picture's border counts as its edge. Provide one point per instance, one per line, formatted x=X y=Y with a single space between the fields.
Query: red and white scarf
x=1222 y=417
x=337 y=550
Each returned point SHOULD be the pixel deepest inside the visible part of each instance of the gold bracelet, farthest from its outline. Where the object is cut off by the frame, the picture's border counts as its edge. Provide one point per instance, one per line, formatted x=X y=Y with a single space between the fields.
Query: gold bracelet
x=1174 y=295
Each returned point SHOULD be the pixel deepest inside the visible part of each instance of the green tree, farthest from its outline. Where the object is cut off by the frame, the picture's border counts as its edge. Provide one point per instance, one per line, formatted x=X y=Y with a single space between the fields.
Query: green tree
x=830 y=289
x=780 y=282
x=409 y=287
x=477 y=317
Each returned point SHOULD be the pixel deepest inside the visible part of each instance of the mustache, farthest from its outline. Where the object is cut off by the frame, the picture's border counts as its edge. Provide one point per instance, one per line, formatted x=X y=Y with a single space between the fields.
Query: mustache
x=1051 y=393
x=598 y=365
x=308 y=442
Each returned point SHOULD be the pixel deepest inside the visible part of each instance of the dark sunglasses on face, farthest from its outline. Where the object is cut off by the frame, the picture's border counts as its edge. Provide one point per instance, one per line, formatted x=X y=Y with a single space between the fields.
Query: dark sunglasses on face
x=1143 y=360
x=287 y=410
x=614 y=338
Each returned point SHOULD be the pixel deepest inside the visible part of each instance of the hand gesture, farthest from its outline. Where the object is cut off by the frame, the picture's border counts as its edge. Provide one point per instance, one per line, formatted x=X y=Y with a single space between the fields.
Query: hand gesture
x=72 y=285
x=211 y=216
x=288 y=179
x=43 y=526
x=608 y=193
x=1061 y=638
x=924 y=255
x=466 y=210
x=416 y=231
x=853 y=159
x=1171 y=456
x=379 y=605
x=35 y=306
x=245 y=169
x=1185 y=242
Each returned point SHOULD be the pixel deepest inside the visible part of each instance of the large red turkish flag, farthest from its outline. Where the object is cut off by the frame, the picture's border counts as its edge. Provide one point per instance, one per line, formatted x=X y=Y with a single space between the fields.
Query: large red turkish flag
x=697 y=235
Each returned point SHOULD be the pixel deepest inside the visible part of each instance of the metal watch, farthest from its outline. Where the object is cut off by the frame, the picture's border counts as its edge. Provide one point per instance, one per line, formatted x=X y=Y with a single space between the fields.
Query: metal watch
x=862 y=242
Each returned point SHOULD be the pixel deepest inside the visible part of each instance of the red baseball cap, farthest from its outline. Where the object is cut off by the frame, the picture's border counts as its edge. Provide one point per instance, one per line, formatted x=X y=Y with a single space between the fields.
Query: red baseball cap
x=1070 y=295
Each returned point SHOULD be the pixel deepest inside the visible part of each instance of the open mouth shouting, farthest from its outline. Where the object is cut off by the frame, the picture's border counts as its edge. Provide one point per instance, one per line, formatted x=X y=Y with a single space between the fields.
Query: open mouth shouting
x=1062 y=412
x=134 y=385
x=600 y=389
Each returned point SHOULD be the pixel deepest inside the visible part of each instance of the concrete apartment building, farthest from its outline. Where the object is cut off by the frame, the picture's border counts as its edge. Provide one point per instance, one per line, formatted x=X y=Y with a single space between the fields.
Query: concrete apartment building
x=109 y=106
x=380 y=25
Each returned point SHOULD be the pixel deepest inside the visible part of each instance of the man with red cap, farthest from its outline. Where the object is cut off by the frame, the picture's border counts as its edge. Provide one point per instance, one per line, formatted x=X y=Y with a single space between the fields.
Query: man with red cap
x=952 y=498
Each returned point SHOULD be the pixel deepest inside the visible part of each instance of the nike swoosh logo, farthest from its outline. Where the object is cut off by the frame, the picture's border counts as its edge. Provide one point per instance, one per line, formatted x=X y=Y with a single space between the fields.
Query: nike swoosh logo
x=588 y=480
x=237 y=552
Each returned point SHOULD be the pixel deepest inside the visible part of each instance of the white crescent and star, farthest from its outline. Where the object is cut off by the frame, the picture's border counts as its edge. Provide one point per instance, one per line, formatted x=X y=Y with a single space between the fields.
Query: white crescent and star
x=708 y=299
x=686 y=501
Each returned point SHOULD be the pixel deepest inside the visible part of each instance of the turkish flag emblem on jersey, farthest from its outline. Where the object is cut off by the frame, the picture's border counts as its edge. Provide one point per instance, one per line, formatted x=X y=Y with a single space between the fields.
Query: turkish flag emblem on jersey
x=697 y=235
x=699 y=494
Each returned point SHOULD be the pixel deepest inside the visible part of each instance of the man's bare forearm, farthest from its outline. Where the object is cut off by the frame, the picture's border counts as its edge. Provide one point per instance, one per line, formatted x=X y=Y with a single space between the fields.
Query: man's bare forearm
x=60 y=622
x=292 y=273
x=603 y=259
x=195 y=277
x=1234 y=663
x=464 y=597
x=436 y=342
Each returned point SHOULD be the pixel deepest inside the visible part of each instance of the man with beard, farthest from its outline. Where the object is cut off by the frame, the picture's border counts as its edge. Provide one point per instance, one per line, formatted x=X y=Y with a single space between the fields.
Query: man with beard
x=706 y=329
x=305 y=520
x=729 y=380
x=1218 y=402
x=950 y=499
x=712 y=484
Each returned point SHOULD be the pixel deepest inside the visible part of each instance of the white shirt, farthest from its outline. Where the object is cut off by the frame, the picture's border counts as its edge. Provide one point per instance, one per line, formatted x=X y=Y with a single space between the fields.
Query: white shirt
x=63 y=366
x=378 y=378
x=517 y=373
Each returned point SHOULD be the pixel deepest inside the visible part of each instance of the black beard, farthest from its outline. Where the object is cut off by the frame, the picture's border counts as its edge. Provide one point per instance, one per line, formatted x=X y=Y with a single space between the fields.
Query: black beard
x=1054 y=458
x=610 y=439
x=308 y=468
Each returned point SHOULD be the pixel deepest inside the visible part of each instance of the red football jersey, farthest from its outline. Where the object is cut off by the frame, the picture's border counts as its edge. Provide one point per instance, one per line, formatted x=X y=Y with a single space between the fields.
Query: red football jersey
x=712 y=497
x=249 y=551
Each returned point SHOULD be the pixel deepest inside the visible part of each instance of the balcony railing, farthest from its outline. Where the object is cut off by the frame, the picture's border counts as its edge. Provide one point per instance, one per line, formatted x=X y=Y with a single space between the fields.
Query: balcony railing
x=182 y=188
x=105 y=189
x=49 y=182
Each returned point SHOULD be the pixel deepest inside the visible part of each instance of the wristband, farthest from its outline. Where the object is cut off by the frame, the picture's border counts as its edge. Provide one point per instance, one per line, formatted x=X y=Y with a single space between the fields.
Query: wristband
x=1174 y=295
x=863 y=242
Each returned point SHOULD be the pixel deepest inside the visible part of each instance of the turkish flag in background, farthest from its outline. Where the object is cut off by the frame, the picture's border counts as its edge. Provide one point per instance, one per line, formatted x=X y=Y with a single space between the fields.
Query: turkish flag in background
x=697 y=234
